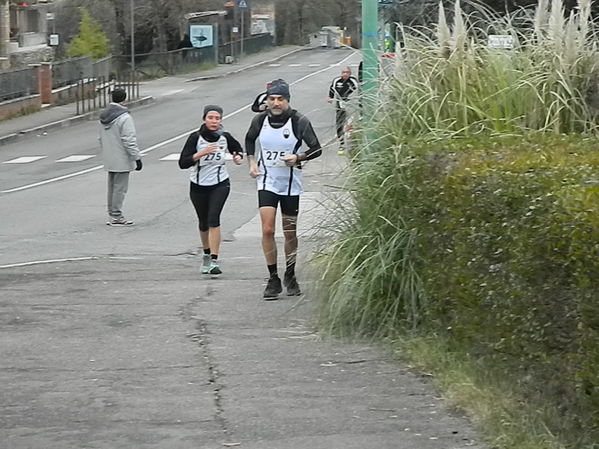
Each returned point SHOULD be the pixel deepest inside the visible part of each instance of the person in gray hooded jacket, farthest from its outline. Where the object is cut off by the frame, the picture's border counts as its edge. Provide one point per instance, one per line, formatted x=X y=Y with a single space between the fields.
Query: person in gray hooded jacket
x=120 y=153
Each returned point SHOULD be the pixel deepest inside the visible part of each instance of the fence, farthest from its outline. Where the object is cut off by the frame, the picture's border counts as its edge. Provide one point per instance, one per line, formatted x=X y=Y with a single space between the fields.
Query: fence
x=153 y=65
x=94 y=93
x=89 y=77
x=69 y=71
x=18 y=83
x=252 y=45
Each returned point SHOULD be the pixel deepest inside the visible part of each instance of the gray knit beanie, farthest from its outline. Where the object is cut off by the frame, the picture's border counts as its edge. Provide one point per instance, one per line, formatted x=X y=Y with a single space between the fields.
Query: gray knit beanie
x=212 y=107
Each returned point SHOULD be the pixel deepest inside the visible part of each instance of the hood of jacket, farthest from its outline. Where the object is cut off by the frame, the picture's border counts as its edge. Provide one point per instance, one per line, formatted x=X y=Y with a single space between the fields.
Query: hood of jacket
x=111 y=113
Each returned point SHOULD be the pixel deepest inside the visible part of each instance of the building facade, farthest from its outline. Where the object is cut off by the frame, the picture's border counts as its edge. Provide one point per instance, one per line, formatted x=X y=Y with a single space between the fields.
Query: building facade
x=24 y=32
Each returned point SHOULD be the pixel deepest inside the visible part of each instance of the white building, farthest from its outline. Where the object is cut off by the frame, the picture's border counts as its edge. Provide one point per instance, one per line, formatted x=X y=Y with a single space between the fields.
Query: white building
x=24 y=32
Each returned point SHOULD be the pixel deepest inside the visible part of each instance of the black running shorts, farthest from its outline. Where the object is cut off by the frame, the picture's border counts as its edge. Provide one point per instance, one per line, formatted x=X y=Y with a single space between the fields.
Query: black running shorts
x=289 y=204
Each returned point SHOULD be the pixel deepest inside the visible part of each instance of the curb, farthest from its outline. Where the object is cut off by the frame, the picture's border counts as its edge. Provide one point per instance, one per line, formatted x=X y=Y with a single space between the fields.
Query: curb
x=241 y=69
x=68 y=121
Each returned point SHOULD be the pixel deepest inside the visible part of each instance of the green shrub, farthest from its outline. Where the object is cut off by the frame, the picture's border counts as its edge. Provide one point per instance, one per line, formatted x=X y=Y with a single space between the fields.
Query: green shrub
x=508 y=241
x=91 y=39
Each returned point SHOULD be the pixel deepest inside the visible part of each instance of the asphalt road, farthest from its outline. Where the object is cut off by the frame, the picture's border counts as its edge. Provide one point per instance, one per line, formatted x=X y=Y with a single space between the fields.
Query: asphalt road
x=110 y=337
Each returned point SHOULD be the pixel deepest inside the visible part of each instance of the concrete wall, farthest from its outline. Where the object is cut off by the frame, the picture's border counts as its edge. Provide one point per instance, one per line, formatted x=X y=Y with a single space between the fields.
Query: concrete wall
x=20 y=106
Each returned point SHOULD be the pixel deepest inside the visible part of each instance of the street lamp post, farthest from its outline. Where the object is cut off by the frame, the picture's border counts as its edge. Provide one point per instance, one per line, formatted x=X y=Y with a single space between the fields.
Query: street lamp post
x=369 y=45
x=131 y=3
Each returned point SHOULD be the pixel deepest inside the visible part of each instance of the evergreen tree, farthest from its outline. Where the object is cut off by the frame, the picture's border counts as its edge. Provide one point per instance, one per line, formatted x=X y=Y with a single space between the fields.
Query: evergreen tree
x=91 y=39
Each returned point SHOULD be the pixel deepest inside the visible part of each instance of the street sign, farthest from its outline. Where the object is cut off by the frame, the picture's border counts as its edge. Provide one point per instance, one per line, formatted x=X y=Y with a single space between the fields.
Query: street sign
x=242 y=4
x=504 y=41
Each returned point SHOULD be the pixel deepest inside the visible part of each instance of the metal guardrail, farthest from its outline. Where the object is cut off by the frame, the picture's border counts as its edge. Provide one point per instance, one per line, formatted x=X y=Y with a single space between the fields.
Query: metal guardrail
x=18 y=83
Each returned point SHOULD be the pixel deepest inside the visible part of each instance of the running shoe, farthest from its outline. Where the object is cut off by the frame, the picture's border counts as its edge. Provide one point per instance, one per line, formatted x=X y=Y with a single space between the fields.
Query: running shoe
x=205 y=263
x=214 y=268
x=293 y=288
x=120 y=221
x=273 y=288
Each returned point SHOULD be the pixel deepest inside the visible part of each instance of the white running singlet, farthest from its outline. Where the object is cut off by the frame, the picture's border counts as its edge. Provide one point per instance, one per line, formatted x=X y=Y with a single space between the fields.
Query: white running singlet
x=274 y=175
x=210 y=169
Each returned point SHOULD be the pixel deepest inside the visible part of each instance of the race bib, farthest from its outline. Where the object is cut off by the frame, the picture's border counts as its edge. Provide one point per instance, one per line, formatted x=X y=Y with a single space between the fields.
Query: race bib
x=217 y=157
x=273 y=158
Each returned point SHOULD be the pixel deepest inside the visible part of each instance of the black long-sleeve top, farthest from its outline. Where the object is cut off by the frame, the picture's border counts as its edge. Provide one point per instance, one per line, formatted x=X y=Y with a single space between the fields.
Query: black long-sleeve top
x=341 y=89
x=190 y=147
x=259 y=101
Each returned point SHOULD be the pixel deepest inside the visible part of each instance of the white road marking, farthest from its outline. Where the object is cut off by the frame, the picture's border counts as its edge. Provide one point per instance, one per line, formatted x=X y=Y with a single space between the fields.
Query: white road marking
x=76 y=158
x=161 y=144
x=314 y=65
x=67 y=259
x=41 y=262
x=274 y=65
x=172 y=92
x=24 y=160
x=294 y=65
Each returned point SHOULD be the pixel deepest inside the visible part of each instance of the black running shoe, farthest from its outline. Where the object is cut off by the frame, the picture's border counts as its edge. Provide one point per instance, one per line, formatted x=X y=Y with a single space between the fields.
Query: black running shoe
x=293 y=288
x=273 y=288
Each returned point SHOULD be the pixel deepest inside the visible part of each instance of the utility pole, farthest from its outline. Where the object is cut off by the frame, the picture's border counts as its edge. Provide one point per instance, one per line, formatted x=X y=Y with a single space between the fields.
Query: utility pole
x=132 y=37
x=369 y=47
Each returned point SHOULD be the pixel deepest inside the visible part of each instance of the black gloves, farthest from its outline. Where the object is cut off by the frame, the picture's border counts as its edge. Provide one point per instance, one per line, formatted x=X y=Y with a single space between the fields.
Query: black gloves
x=138 y=165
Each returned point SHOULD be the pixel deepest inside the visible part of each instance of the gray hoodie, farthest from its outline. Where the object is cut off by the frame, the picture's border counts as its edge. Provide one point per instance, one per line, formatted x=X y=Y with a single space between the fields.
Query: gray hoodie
x=118 y=139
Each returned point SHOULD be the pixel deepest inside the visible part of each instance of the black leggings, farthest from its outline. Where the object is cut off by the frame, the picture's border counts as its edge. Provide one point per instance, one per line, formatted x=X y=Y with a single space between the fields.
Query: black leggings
x=208 y=202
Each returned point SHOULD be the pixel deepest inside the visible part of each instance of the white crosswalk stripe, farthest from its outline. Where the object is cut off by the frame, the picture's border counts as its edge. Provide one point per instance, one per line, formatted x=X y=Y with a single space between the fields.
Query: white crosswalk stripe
x=24 y=160
x=76 y=158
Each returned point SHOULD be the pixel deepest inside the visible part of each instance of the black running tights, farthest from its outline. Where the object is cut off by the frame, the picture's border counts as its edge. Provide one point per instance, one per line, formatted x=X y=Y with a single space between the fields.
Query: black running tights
x=208 y=202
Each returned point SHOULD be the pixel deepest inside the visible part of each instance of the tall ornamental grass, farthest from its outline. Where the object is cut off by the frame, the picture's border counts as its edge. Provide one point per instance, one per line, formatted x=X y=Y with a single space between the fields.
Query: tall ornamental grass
x=448 y=81
x=475 y=192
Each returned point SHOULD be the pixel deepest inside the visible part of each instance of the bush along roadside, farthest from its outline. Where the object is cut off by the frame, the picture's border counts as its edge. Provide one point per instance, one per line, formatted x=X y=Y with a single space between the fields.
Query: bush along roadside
x=491 y=245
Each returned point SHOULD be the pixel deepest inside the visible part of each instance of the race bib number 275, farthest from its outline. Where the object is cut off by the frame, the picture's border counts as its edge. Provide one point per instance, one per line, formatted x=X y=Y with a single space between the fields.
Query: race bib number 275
x=273 y=158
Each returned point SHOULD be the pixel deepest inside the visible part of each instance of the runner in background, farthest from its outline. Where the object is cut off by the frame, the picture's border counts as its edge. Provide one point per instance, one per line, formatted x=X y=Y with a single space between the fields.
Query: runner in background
x=339 y=91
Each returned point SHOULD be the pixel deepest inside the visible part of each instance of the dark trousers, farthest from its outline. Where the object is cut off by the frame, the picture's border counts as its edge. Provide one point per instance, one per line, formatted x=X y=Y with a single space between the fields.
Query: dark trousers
x=118 y=184
x=208 y=202
x=340 y=117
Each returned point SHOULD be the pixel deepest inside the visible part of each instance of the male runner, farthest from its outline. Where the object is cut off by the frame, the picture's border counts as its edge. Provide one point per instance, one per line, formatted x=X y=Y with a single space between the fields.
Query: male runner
x=339 y=91
x=280 y=131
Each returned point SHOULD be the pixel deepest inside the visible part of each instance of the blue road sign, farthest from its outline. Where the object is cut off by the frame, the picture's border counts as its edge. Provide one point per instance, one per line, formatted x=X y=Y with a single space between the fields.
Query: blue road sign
x=242 y=4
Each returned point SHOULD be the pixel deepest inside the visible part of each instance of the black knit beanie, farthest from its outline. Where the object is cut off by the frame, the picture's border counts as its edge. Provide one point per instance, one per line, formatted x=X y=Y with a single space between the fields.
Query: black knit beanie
x=280 y=88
